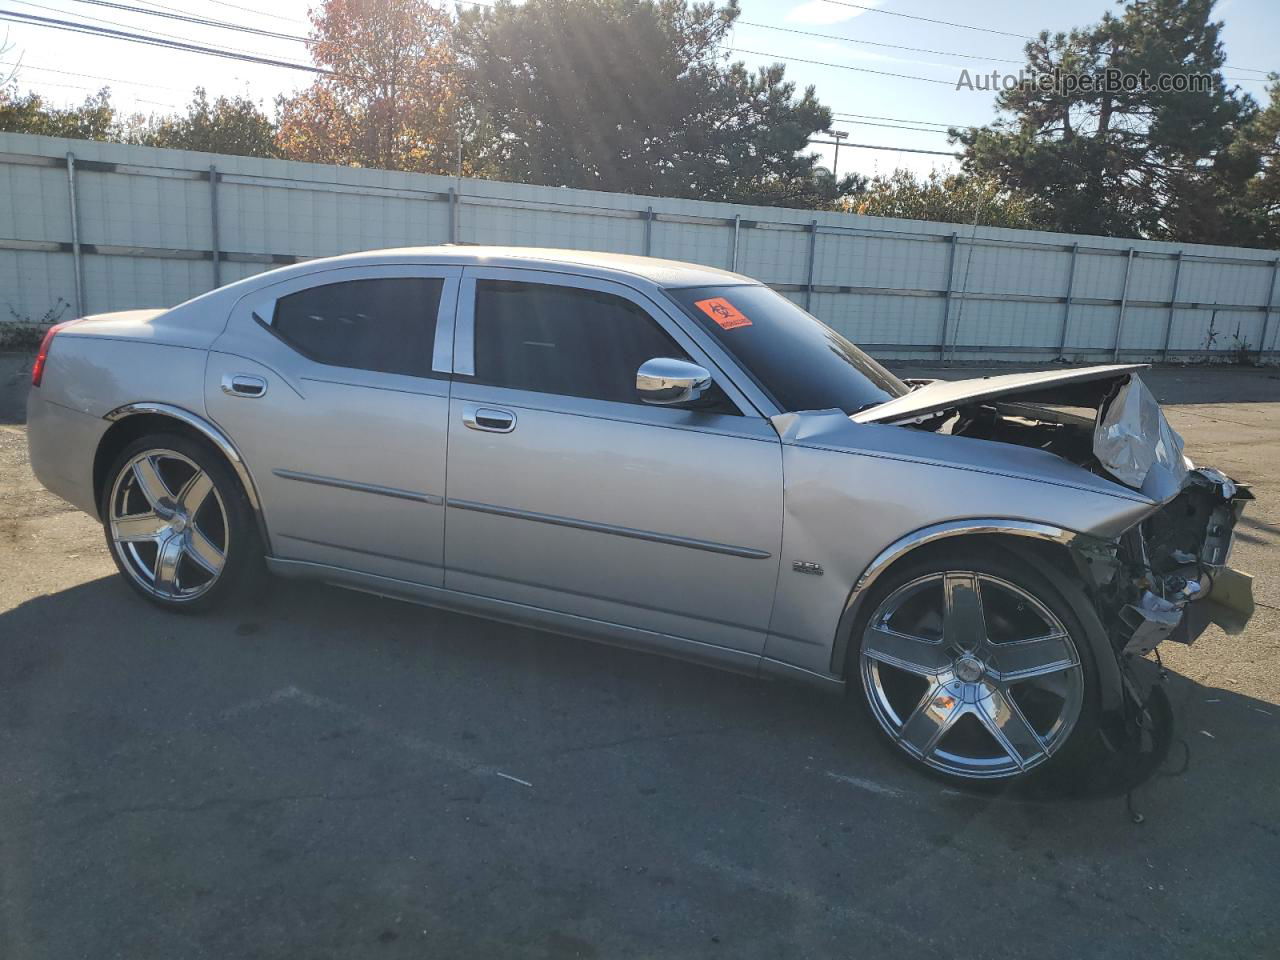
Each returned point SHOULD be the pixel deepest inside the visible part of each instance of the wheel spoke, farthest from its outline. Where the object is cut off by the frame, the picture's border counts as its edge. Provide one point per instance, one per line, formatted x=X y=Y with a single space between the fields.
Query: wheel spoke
x=168 y=554
x=963 y=622
x=936 y=713
x=1002 y=718
x=139 y=526
x=193 y=493
x=913 y=654
x=150 y=483
x=204 y=552
x=1024 y=659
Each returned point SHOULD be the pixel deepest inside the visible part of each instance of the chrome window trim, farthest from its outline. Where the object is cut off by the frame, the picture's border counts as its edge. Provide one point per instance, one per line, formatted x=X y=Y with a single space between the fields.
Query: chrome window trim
x=710 y=546
x=464 y=332
x=649 y=298
x=260 y=305
x=442 y=348
x=394 y=492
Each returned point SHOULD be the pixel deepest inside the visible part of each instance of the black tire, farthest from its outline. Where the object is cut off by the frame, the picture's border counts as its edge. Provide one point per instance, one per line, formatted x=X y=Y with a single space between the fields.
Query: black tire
x=1064 y=752
x=225 y=510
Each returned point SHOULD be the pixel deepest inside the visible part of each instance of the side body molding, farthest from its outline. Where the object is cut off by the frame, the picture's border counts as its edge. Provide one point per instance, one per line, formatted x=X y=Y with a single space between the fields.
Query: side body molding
x=919 y=538
x=214 y=436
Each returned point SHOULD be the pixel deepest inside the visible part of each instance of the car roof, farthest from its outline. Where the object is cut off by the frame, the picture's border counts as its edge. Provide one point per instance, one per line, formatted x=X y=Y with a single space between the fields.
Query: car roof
x=664 y=273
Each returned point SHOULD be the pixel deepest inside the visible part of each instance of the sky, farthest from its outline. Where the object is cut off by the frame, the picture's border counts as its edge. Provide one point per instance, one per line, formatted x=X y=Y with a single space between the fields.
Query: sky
x=883 y=96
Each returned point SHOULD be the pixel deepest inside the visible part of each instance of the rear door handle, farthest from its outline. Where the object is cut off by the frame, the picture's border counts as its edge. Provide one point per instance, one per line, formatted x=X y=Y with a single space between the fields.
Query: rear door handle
x=492 y=419
x=243 y=385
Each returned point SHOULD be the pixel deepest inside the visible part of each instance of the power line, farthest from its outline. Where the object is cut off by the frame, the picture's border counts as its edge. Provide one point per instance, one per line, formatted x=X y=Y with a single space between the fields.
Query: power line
x=256 y=12
x=890 y=126
x=874 y=146
x=190 y=18
x=991 y=30
x=84 y=89
x=944 y=23
x=872 y=116
x=109 y=24
x=92 y=76
x=155 y=41
x=842 y=66
x=221 y=24
x=876 y=43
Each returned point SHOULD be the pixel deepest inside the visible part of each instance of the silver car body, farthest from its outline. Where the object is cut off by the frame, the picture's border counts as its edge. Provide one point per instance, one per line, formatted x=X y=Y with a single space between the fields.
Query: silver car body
x=742 y=541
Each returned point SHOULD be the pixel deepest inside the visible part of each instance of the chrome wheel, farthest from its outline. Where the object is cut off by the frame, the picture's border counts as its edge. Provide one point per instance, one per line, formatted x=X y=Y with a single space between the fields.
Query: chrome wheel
x=168 y=525
x=971 y=674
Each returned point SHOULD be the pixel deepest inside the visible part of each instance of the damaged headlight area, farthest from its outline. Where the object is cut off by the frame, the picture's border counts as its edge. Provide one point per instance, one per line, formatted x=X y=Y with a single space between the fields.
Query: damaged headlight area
x=1167 y=578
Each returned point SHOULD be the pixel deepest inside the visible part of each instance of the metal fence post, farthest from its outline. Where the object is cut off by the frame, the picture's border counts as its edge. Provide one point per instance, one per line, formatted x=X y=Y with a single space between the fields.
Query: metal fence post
x=1271 y=302
x=1124 y=300
x=813 y=249
x=946 y=297
x=737 y=229
x=648 y=230
x=1066 y=313
x=213 y=222
x=1168 y=330
x=75 y=233
x=453 y=215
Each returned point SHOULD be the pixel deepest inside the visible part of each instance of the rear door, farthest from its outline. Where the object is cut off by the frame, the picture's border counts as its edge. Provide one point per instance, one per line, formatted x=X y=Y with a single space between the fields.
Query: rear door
x=566 y=492
x=335 y=387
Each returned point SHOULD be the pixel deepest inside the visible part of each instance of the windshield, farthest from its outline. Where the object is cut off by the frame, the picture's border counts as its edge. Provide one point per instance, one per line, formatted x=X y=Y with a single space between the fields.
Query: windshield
x=797 y=359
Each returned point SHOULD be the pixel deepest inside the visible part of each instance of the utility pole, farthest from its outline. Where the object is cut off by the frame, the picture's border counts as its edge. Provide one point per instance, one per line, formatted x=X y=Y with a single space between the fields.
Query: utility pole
x=837 y=135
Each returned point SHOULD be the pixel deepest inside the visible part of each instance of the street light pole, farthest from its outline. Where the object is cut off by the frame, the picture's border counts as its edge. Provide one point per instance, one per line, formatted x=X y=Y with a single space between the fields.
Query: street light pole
x=837 y=135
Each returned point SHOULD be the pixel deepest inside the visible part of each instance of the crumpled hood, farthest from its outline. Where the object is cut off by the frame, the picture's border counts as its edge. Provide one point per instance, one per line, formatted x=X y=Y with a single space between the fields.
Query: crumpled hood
x=1086 y=386
x=1134 y=442
x=1132 y=439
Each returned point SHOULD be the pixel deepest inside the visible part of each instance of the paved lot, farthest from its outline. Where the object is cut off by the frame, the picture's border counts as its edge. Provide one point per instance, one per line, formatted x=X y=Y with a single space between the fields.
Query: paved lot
x=333 y=775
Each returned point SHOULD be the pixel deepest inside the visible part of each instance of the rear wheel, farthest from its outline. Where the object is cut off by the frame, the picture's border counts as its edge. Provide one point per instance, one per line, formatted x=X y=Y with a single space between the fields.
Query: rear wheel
x=178 y=523
x=976 y=666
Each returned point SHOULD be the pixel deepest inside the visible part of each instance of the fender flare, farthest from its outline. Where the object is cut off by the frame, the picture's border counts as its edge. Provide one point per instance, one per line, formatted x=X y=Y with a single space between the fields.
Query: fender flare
x=210 y=433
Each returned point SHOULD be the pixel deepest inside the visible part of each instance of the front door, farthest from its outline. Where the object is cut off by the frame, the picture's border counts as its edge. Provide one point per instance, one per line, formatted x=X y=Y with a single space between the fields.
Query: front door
x=566 y=492
x=342 y=415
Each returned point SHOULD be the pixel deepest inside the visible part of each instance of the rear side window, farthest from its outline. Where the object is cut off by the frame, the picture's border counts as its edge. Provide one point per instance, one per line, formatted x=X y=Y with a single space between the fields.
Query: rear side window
x=564 y=340
x=387 y=325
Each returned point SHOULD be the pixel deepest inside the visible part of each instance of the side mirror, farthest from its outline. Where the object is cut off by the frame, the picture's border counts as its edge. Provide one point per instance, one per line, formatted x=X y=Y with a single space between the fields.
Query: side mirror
x=665 y=382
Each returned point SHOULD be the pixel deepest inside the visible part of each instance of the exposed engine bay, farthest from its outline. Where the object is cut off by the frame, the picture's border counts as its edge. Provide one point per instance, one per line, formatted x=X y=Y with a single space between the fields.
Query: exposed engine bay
x=1167 y=577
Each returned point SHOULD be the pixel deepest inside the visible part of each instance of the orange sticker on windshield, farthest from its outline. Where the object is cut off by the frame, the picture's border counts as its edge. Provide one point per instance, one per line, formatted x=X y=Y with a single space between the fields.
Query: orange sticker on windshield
x=723 y=312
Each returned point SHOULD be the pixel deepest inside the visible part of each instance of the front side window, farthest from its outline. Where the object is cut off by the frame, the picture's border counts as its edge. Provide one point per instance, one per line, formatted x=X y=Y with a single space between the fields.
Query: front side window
x=563 y=340
x=385 y=324
x=794 y=357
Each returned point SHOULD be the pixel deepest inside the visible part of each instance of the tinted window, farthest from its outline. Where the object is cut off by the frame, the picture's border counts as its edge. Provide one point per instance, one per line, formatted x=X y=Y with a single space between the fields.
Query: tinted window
x=387 y=325
x=564 y=340
x=796 y=358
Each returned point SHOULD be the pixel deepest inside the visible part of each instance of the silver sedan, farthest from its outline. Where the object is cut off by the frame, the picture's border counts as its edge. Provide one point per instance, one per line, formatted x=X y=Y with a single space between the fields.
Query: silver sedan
x=657 y=455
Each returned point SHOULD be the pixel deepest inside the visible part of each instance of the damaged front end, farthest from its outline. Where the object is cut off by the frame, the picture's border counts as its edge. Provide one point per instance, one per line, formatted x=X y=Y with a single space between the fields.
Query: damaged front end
x=1166 y=578
x=1169 y=577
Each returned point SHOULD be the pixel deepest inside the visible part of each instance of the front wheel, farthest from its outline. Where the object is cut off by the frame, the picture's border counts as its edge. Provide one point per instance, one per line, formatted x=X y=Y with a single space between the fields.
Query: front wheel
x=179 y=526
x=976 y=666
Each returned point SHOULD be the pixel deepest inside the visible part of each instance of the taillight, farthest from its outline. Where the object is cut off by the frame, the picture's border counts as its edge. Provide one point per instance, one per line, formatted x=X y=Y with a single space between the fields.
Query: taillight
x=37 y=367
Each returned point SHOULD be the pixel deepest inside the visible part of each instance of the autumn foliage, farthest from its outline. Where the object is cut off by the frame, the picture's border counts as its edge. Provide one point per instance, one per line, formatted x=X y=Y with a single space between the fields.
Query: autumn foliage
x=390 y=97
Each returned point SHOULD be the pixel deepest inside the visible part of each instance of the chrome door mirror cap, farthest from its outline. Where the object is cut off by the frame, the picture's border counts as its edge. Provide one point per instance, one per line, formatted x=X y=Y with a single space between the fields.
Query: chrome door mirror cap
x=665 y=381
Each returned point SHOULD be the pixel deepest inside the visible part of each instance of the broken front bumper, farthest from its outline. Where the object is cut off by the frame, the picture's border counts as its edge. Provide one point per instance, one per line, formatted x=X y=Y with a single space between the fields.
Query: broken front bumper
x=1173 y=575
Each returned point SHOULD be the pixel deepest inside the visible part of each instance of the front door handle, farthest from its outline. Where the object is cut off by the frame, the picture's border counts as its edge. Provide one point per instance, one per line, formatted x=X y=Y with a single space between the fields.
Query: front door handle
x=492 y=419
x=243 y=385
